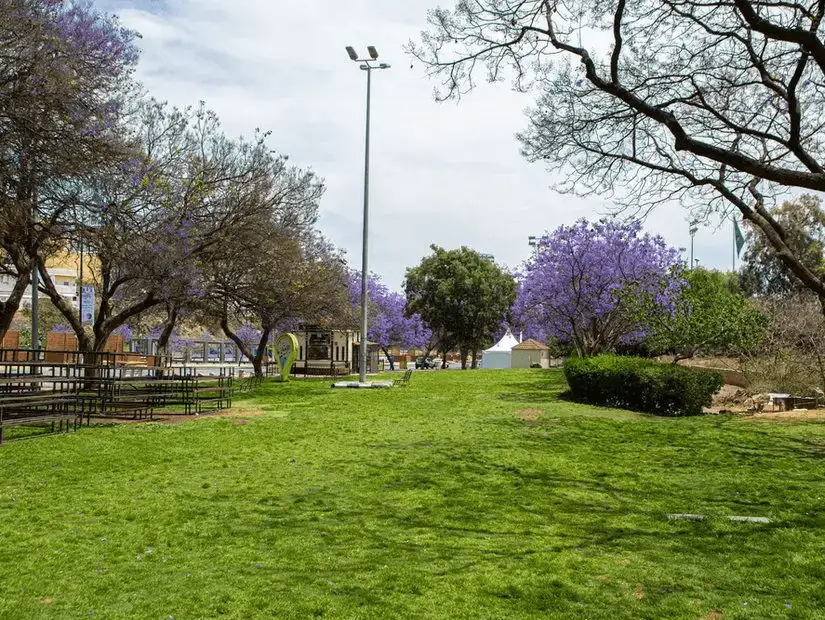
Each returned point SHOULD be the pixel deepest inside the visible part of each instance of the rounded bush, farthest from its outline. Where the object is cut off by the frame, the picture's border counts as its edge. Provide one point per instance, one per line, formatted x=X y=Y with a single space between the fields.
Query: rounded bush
x=641 y=385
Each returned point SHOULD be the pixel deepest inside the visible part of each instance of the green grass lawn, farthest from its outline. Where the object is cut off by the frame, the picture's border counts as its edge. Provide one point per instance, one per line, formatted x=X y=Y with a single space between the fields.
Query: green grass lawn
x=438 y=500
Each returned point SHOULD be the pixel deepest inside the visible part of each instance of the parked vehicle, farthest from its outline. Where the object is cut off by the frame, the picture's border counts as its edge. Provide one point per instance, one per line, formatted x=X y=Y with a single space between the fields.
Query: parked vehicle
x=422 y=363
x=437 y=362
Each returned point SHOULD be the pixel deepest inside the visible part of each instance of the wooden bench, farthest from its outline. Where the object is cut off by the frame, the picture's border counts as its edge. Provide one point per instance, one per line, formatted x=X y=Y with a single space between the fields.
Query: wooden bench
x=404 y=380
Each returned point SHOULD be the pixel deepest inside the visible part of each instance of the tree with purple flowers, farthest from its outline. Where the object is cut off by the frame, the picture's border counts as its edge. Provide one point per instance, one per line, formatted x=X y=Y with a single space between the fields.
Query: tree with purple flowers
x=292 y=276
x=64 y=72
x=387 y=319
x=585 y=280
x=161 y=220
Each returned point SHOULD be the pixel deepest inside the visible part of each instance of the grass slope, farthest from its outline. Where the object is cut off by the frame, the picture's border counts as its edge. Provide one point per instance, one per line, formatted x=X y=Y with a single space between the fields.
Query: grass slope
x=475 y=494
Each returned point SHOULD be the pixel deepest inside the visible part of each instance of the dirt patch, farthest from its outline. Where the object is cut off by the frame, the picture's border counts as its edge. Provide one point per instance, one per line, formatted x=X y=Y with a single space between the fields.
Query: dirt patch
x=240 y=421
x=531 y=417
x=713 y=615
x=639 y=592
x=730 y=399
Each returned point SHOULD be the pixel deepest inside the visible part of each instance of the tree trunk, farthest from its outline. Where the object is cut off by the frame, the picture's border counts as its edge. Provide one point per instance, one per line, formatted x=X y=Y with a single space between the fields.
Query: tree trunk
x=474 y=359
x=104 y=325
x=166 y=332
x=9 y=307
x=390 y=357
x=84 y=342
x=256 y=361
x=463 y=353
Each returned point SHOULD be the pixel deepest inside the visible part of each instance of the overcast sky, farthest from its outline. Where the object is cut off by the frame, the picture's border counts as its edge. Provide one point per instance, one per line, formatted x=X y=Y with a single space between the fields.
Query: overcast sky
x=448 y=174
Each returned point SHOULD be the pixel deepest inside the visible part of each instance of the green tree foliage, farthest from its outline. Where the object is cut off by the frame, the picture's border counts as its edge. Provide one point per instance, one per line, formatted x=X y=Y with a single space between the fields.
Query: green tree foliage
x=461 y=295
x=803 y=220
x=710 y=316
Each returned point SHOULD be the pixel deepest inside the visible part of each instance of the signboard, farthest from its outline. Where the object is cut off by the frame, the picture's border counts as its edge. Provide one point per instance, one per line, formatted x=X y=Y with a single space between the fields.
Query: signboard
x=318 y=345
x=87 y=299
x=286 y=352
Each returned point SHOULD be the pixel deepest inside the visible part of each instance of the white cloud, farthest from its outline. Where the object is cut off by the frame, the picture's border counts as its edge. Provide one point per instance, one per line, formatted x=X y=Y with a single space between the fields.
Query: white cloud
x=441 y=173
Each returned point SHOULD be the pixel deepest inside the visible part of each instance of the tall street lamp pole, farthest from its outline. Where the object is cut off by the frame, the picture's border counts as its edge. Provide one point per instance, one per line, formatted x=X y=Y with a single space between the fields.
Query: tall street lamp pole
x=367 y=64
x=35 y=289
x=694 y=227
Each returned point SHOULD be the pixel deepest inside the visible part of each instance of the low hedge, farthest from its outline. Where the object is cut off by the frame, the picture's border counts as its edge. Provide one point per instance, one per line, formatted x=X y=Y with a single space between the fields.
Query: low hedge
x=641 y=385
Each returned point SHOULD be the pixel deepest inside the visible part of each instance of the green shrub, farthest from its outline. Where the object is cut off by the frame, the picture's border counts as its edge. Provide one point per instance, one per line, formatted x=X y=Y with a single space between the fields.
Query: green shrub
x=641 y=385
x=535 y=365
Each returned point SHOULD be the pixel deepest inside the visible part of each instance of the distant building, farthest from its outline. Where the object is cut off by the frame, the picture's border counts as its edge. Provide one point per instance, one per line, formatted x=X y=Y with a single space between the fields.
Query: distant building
x=528 y=353
x=64 y=270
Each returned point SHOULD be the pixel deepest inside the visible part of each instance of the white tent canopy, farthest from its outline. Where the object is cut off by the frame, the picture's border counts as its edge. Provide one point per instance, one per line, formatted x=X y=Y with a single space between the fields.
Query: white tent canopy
x=498 y=356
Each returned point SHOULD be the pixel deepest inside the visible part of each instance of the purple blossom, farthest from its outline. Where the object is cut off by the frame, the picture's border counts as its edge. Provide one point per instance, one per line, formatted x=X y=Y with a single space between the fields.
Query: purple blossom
x=580 y=284
x=249 y=335
x=387 y=322
x=125 y=331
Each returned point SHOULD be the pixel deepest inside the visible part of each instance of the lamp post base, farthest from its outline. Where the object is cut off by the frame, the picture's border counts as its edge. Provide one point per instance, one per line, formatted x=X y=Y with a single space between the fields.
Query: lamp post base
x=363 y=384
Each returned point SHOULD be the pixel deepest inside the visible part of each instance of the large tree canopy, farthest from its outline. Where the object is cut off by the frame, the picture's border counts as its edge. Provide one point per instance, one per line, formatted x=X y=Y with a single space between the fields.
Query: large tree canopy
x=717 y=104
x=461 y=295
x=583 y=285
x=64 y=70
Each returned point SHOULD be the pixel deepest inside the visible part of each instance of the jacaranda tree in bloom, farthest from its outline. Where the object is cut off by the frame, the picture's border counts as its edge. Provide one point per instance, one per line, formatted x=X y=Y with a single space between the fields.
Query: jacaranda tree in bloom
x=388 y=324
x=65 y=70
x=584 y=282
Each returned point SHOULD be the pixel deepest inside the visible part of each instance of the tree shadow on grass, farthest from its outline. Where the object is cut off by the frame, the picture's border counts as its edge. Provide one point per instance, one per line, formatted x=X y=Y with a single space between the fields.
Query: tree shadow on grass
x=550 y=387
x=438 y=541
x=471 y=514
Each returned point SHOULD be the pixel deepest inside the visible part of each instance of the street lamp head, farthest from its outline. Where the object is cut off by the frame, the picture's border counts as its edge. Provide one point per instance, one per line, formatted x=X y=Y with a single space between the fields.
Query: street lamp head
x=352 y=54
x=384 y=65
x=373 y=52
x=364 y=67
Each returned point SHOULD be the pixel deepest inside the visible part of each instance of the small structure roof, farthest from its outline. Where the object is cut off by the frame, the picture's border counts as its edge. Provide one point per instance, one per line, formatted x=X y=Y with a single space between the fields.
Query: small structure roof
x=531 y=345
x=506 y=344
